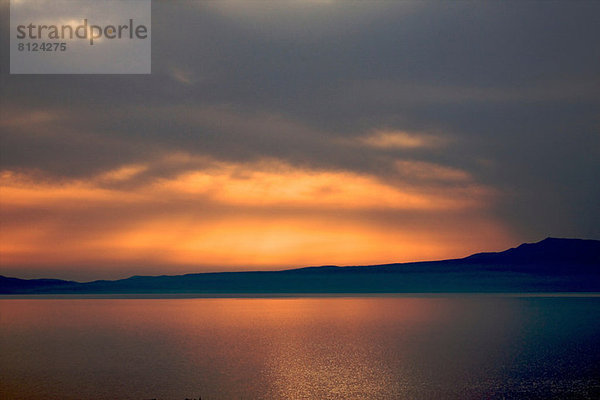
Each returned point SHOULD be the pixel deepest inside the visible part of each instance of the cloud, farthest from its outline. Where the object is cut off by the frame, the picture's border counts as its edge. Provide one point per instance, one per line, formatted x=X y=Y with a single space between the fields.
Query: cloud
x=273 y=214
x=262 y=183
x=181 y=75
x=390 y=139
x=372 y=116
x=425 y=171
x=412 y=93
x=299 y=20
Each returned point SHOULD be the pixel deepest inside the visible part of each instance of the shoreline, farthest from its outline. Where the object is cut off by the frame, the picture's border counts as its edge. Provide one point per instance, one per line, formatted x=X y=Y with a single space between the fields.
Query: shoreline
x=164 y=296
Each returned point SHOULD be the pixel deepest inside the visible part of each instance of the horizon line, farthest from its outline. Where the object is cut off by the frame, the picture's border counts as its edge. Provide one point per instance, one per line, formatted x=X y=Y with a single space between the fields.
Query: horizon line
x=300 y=268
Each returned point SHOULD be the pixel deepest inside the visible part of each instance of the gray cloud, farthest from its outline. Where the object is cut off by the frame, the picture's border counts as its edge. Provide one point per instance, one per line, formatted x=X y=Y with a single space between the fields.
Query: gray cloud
x=515 y=86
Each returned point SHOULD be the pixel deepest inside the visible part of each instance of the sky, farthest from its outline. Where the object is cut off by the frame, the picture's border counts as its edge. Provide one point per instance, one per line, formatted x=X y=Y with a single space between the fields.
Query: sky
x=277 y=135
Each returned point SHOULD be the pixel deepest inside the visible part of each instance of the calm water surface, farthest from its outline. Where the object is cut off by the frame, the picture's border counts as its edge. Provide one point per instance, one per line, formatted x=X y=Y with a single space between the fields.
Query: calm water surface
x=474 y=347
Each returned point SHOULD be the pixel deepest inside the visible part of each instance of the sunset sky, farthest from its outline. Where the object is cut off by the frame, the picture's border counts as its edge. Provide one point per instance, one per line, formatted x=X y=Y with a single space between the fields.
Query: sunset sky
x=276 y=135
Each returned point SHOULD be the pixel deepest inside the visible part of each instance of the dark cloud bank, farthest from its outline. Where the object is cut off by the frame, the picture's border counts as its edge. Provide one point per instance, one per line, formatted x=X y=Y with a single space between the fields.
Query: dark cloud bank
x=513 y=89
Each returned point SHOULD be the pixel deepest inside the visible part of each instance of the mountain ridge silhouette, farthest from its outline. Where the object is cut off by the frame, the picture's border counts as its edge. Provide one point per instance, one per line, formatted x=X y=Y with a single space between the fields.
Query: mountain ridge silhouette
x=553 y=264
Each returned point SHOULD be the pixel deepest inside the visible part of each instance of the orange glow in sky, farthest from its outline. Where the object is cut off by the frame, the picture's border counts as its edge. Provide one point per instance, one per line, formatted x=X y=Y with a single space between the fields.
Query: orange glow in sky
x=234 y=216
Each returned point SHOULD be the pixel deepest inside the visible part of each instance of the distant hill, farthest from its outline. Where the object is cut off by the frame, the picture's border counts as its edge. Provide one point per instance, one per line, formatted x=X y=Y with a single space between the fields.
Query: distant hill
x=551 y=265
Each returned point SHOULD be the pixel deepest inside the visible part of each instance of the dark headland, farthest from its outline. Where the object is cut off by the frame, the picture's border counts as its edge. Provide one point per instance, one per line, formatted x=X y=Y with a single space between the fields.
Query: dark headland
x=551 y=265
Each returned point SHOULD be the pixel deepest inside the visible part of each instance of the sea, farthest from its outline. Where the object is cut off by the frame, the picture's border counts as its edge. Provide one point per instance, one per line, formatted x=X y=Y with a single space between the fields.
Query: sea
x=411 y=346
